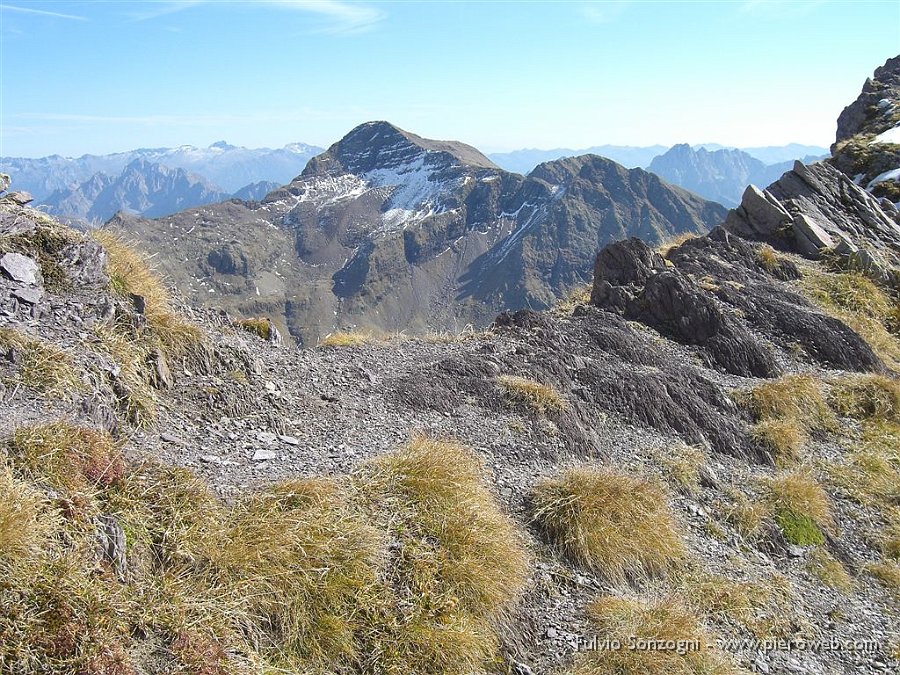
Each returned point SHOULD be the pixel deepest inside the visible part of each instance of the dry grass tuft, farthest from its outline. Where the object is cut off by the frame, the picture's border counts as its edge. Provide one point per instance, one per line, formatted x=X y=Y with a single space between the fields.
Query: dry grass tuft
x=888 y=573
x=130 y=274
x=578 y=295
x=675 y=641
x=41 y=365
x=865 y=397
x=829 y=571
x=766 y=256
x=783 y=438
x=305 y=564
x=541 y=398
x=682 y=462
x=261 y=326
x=792 y=397
x=457 y=559
x=346 y=339
x=870 y=472
x=861 y=304
x=744 y=514
x=618 y=525
x=674 y=241
x=26 y=521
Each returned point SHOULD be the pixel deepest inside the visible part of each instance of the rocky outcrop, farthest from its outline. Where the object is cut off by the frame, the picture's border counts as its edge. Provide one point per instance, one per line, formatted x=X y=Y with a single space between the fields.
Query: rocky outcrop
x=867 y=145
x=718 y=296
x=816 y=210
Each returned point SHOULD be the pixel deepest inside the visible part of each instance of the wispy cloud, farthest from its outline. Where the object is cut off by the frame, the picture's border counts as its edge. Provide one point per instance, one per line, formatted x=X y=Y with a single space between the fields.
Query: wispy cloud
x=604 y=11
x=41 y=12
x=339 y=16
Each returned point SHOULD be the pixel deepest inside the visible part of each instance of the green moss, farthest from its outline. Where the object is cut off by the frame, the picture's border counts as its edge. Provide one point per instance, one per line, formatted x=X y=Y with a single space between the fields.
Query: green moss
x=799 y=529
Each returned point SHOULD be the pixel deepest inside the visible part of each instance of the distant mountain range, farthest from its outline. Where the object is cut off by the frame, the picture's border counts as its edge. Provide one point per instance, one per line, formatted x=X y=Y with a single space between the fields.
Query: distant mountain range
x=391 y=231
x=523 y=161
x=228 y=166
x=720 y=175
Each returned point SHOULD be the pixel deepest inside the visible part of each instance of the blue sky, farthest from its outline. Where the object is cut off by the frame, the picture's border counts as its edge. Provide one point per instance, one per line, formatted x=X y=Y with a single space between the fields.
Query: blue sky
x=98 y=77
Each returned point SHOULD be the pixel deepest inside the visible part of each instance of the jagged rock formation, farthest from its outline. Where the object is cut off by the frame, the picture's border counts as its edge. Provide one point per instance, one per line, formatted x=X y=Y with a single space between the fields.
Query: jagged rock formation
x=391 y=231
x=816 y=210
x=223 y=164
x=720 y=175
x=142 y=188
x=867 y=145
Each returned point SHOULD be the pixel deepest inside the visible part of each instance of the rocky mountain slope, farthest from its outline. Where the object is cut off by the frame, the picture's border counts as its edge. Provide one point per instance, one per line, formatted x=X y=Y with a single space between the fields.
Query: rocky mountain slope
x=143 y=187
x=232 y=167
x=393 y=232
x=720 y=175
x=702 y=454
x=867 y=146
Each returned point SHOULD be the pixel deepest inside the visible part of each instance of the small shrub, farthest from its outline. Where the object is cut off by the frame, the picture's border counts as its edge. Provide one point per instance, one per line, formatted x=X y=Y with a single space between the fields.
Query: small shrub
x=686 y=649
x=864 y=397
x=261 y=327
x=613 y=523
x=42 y=365
x=829 y=571
x=541 y=398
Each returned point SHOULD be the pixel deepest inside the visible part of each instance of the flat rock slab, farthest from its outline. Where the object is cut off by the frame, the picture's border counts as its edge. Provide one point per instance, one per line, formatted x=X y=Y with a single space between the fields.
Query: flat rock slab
x=20 y=268
x=30 y=295
x=264 y=455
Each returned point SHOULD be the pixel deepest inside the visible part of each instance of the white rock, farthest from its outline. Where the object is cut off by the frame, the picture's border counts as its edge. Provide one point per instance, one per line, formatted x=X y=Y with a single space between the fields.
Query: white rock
x=263 y=455
x=20 y=268
x=266 y=437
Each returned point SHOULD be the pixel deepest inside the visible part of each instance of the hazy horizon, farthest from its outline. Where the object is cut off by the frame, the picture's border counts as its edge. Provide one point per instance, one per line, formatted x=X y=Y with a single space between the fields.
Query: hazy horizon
x=94 y=78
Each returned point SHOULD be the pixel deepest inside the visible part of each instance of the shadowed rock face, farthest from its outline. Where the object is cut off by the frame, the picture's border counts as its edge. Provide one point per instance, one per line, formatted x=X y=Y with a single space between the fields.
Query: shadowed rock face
x=719 y=297
x=395 y=232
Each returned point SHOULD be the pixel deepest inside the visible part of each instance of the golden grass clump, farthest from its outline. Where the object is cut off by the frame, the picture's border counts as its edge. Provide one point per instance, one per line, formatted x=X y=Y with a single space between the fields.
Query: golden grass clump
x=26 y=521
x=306 y=566
x=616 y=524
x=656 y=637
x=541 y=398
x=888 y=573
x=801 y=507
x=870 y=472
x=829 y=571
x=260 y=326
x=762 y=606
x=864 y=397
x=130 y=274
x=792 y=397
x=766 y=256
x=458 y=559
x=345 y=339
x=41 y=365
x=783 y=438
x=64 y=456
x=674 y=241
x=861 y=304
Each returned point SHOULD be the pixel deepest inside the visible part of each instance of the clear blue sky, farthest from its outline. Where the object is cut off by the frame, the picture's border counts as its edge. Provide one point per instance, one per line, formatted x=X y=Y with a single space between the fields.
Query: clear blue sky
x=100 y=76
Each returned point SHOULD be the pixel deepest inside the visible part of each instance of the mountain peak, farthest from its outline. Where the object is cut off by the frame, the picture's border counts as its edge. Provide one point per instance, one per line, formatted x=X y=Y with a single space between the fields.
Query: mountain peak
x=382 y=145
x=223 y=145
